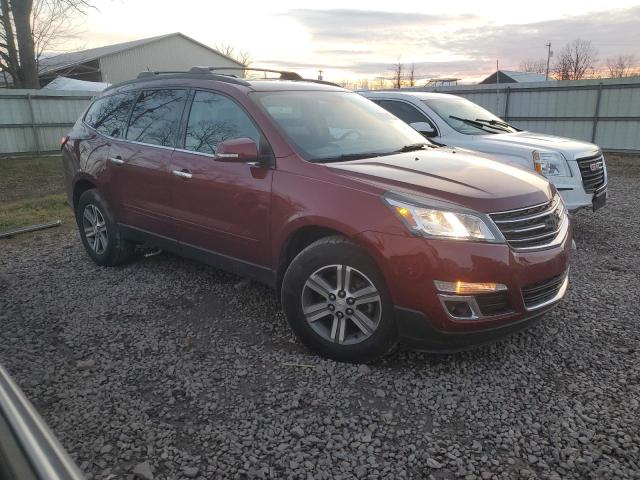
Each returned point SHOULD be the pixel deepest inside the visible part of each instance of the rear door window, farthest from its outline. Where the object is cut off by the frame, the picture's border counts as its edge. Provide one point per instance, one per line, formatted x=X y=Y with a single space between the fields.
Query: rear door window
x=215 y=118
x=155 y=118
x=108 y=115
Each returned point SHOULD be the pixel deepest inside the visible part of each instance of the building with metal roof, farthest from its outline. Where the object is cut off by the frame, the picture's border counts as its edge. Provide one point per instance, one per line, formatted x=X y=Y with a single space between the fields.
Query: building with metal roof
x=511 y=76
x=123 y=61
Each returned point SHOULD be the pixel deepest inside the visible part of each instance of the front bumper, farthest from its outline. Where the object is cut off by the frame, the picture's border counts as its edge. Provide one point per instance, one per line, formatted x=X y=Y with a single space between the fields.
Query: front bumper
x=417 y=331
x=573 y=192
x=575 y=198
x=411 y=264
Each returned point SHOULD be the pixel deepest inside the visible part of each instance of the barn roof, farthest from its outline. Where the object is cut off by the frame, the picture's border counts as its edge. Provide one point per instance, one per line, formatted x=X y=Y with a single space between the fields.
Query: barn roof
x=512 y=76
x=51 y=64
x=522 y=77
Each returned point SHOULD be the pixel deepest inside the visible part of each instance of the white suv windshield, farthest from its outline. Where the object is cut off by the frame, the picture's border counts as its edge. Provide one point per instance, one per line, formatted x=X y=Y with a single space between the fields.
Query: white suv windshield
x=336 y=126
x=467 y=117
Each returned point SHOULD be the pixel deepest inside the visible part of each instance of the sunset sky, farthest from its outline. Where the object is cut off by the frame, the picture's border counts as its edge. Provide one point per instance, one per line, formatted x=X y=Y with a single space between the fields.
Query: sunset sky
x=357 y=40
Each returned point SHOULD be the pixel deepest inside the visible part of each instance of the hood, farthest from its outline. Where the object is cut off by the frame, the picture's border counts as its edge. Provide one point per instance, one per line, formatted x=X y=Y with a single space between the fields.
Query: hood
x=570 y=148
x=456 y=177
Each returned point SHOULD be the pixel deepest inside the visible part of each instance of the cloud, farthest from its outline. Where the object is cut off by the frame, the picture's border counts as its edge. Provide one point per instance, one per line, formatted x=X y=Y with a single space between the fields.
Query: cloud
x=338 y=25
x=611 y=32
x=367 y=42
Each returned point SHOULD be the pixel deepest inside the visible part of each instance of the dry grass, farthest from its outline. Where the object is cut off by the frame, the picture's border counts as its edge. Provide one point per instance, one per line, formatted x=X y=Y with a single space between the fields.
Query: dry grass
x=31 y=192
x=29 y=177
x=34 y=211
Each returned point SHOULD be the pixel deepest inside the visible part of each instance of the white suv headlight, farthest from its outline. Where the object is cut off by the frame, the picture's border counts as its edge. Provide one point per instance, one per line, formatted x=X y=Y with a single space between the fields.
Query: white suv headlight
x=550 y=164
x=434 y=222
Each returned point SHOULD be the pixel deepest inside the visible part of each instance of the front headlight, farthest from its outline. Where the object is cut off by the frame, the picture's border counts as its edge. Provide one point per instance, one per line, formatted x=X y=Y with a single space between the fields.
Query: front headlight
x=550 y=164
x=435 y=222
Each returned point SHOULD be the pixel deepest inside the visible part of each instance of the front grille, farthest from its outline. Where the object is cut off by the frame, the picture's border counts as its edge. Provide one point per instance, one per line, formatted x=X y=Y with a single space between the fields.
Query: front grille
x=494 y=303
x=538 y=293
x=532 y=227
x=592 y=171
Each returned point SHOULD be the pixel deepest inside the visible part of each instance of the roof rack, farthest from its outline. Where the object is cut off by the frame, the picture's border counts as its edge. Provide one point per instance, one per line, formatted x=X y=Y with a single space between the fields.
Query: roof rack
x=195 y=71
x=284 y=74
x=230 y=78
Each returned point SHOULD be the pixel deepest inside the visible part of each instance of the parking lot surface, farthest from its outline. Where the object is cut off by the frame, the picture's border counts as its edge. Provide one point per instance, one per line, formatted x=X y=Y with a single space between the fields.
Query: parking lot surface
x=165 y=368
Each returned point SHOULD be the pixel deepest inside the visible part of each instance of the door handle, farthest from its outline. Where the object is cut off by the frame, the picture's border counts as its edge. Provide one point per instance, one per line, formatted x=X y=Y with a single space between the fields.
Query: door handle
x=116 y=160
x=186 y=174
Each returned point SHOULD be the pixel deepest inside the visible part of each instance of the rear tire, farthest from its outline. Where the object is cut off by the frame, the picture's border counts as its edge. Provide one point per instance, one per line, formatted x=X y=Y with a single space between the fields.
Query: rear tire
x=99 y=232
x=337 y=302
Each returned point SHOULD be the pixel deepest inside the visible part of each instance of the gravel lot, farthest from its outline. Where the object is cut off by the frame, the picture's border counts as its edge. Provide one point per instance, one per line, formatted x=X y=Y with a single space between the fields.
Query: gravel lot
x=173 y=370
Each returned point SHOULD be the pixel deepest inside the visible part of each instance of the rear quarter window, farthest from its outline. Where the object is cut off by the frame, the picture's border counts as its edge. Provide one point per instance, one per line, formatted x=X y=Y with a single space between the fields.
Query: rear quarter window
x=108 y=115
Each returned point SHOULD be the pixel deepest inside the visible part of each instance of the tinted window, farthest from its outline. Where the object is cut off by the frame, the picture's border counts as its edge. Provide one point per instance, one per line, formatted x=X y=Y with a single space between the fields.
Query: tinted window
x=214 y=118
x=405 y=112
x=109 y=114
x=156 y=117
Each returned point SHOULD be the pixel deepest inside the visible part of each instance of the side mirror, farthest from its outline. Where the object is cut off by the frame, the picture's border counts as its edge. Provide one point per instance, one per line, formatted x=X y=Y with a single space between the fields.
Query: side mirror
x=424 y=128
x=241 y=150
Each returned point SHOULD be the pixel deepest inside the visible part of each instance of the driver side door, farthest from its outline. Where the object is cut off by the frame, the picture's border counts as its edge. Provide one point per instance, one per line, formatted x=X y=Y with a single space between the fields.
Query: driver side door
x=221 y=208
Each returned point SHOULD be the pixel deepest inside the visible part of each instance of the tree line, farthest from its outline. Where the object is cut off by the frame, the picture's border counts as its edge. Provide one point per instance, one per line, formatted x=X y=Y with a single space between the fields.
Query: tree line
x=578 y=59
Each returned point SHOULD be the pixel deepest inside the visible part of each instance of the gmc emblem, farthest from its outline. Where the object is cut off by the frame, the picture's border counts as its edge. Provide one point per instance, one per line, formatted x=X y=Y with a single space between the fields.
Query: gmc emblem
x=595 y=166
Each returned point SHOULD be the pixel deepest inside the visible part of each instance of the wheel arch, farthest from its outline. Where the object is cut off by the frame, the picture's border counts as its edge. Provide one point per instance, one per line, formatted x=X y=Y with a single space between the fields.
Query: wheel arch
x=80 y=186
x=303 y=235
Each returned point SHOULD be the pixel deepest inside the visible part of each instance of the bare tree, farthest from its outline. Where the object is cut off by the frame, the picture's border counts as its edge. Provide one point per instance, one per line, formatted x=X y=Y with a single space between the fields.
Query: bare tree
x=242 y=56
x=27 y=28
x=412 y=75
x=397 y=74
x=51 y=24
x=621 y=66
x=534 y=65
x=575 y=60
x=379 y=83
x=363 y=84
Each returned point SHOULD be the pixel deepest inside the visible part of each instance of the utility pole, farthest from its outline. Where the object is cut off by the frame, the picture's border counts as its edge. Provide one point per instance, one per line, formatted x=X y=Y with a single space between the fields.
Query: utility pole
x=497 y=88
x=549 y=53
x=320 y=72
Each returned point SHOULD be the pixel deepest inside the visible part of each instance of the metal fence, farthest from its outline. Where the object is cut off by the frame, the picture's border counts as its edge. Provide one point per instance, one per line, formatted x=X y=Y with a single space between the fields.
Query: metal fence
x=33 y=121
x=605 y=112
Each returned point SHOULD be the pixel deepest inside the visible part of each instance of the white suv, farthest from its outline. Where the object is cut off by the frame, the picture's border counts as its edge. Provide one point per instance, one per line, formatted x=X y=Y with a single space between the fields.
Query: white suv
x=576 y=168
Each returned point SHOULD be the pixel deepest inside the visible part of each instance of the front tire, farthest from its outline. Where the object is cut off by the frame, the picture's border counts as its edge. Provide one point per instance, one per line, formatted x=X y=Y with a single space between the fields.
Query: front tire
x=337 y=302
x=99 y=232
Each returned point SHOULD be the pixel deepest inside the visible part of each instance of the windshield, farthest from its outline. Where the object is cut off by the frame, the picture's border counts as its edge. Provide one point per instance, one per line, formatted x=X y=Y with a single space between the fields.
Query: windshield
x=478 y=120
x=335 y=126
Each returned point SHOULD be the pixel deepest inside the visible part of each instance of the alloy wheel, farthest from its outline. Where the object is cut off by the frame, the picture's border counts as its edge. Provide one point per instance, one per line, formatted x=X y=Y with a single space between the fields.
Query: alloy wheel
x=341 y=304
x=95 y=229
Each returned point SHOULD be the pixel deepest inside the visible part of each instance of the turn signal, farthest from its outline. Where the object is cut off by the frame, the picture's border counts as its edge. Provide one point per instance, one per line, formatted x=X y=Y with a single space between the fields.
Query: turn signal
x=467 y=288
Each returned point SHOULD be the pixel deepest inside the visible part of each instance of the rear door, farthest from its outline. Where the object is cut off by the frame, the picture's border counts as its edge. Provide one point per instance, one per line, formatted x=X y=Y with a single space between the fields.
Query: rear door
x=140 y=162
x=223 y=209
x=108 y=117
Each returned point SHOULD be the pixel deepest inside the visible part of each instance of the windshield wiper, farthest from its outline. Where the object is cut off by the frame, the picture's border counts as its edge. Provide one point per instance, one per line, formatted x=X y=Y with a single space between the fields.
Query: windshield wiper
x=498 y=122
x=412 y=147
x=480 y=125
x=348 y=156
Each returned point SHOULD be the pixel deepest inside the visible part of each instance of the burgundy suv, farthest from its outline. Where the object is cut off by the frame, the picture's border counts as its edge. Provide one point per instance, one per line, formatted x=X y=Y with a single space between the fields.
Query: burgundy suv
x=368 y=233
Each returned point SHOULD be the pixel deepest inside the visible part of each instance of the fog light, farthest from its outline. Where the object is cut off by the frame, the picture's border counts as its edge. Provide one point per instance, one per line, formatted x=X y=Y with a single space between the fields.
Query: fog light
x=458 y=309
x=467 y=288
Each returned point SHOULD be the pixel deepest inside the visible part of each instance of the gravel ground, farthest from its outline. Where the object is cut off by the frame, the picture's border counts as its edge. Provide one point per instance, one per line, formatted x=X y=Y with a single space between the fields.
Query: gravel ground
x=166 y=369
